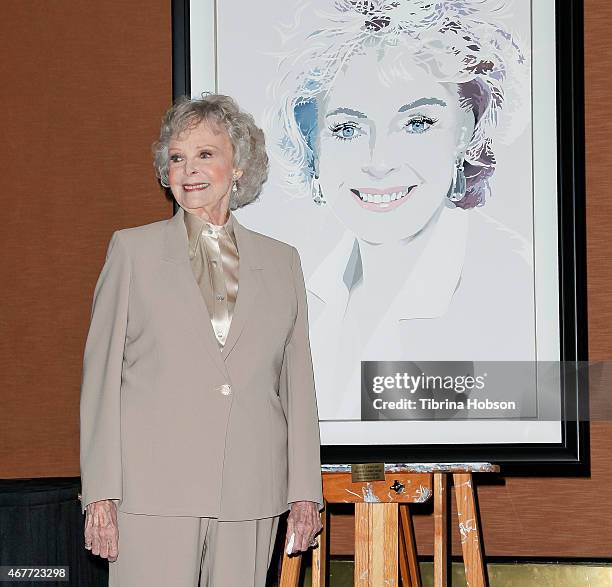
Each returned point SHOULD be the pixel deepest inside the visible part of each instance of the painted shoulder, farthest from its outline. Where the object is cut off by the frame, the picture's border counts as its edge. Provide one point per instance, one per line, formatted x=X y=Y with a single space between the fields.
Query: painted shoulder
x=270 y=247
x=490 y=238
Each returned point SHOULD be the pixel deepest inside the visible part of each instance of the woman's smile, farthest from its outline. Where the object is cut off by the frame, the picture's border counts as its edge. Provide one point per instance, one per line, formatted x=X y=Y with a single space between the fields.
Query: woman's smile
x=194 y=187
x=382 y=200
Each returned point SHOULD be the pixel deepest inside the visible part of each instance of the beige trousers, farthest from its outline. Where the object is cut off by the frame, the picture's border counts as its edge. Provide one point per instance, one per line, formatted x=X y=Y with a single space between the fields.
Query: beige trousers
x=169 y=551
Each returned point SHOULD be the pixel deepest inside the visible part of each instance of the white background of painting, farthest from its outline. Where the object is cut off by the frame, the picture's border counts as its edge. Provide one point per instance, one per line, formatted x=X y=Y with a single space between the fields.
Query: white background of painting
x=245 y=56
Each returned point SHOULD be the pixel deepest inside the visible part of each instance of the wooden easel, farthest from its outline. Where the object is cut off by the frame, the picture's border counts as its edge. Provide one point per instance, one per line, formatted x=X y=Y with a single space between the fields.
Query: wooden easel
x=383 y=529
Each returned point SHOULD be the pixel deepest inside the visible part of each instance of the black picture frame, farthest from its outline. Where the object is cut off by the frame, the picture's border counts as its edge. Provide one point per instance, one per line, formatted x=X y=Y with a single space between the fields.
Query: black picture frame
x=571 y=455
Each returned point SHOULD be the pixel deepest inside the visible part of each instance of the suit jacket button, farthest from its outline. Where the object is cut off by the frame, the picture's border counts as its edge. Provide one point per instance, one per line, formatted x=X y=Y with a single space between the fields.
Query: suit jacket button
x=226 y=389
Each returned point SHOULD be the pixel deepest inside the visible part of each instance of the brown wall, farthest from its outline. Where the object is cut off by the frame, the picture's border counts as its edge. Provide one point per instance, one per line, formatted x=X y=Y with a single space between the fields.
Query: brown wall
x=84 y=86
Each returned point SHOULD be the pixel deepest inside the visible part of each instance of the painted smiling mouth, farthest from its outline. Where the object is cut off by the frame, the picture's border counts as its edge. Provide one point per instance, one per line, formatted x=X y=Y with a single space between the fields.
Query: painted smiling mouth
x=195 y=186
x=382 y=197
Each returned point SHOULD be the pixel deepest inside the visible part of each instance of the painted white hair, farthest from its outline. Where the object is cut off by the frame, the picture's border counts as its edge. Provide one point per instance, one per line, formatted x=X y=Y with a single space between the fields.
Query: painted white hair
x=456 y=41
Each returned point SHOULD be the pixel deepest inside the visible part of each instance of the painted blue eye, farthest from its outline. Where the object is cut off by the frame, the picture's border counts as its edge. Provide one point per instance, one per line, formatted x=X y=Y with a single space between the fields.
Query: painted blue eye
x=420 y=124
x=345 y=131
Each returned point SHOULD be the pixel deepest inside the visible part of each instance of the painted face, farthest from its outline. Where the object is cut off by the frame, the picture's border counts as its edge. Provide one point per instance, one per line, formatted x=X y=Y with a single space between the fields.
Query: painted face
x=387 y=157
x=201 y=168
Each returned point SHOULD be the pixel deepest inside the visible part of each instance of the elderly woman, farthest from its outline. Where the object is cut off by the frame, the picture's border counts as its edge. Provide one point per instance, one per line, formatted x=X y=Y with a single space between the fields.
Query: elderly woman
x=198 y=413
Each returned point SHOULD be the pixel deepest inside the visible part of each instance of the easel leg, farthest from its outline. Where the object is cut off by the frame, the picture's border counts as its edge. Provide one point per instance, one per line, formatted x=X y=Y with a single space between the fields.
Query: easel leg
x=404 y=565
x=409 y=562
x=468 y=528
x=440 y=531
x=319 y=555
x=376 y=526
x=290 y=570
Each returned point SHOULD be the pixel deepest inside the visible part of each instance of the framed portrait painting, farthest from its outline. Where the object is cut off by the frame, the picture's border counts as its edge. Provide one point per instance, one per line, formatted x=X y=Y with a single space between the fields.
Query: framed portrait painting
x=426 y=162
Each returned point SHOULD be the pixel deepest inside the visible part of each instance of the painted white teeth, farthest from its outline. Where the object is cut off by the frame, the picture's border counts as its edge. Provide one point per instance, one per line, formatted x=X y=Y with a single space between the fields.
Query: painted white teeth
x=381 y=199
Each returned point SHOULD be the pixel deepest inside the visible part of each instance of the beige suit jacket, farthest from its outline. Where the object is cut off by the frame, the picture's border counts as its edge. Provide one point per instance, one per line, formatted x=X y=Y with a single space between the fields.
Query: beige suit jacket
x=172 y=425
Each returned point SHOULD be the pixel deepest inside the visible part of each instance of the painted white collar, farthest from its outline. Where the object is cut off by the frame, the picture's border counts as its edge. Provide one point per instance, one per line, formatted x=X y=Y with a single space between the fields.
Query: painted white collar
x=427 y=291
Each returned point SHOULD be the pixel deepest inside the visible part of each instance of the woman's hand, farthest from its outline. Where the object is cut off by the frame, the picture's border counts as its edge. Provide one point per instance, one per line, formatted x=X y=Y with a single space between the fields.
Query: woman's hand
x=305 y=522
x=101 y=530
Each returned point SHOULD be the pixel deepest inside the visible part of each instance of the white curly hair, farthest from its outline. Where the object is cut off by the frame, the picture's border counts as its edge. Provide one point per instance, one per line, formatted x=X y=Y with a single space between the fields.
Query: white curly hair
x=247 y=140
